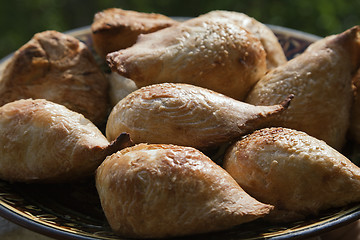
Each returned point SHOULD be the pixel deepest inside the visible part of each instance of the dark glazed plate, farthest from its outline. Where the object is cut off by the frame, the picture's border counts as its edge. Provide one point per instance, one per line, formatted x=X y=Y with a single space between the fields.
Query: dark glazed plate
x=73 y=211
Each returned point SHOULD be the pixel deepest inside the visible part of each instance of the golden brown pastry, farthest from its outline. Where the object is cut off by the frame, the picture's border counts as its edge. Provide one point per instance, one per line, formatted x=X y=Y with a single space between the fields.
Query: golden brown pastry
x=209 y=52
x=275 y=55
x=186 y=115
x=155 y=191
x=114 y=28
x=320 y=79
x=61 y=69
x=45 y=142
x=299 y=174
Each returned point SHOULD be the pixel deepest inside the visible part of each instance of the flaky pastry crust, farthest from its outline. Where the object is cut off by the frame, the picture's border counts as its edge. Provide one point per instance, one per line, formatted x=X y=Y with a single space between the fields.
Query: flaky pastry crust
x=154 y=191
x=320 y=79
x=209 y=52
x=186 y=115
x=45 y=142
x=275 y=55
x=61 y=69
x=299 y=174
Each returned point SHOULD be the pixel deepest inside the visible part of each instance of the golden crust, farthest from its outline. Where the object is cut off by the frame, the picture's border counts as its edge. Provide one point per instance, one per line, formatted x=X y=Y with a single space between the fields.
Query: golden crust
x=45 y=142
x=61 y=69
x=166 y=190
x=275 y=55
x=320 y=80
x=298 y=174
x=114 y=29
x=207 y=52
x=185 y=115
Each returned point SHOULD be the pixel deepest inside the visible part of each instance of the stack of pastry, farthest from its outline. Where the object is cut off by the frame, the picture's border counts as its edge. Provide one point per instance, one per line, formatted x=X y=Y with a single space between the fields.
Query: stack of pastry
x=176 y=91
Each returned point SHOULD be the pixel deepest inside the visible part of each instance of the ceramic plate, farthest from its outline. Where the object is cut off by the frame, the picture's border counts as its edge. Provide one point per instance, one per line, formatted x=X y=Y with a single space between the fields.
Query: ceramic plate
x=73 y=211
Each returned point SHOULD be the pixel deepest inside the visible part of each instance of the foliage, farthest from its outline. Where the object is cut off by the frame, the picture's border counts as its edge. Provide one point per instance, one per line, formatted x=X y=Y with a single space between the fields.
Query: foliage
x=20 y=19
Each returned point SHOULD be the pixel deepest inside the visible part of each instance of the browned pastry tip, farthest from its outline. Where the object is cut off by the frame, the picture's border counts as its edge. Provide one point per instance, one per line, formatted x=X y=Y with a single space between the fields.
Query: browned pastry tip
x=349 y=40
x=121 y=142
x=287 y=101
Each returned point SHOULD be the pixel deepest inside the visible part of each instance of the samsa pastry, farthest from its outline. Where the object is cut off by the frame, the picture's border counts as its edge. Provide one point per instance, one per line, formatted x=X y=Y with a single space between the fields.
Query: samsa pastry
x=155 y=191
x=186 y=115
x=213 y=53
x=61 y=69
x=298 y=174
x=320 y=79
x=275 y=55
x=114 y=28
x=45 y=142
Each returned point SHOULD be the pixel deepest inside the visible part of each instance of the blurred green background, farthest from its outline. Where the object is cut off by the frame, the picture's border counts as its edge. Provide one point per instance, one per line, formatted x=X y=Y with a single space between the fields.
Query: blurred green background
x=21 y=19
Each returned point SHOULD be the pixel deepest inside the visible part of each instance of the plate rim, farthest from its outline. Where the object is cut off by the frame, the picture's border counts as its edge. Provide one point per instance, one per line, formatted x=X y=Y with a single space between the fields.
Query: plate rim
x=351 y=215
x=39 y=226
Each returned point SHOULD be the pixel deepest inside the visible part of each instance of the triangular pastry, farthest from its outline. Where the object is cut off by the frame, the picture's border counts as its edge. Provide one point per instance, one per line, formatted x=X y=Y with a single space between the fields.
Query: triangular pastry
x=209 y=52
x=320 y=79
x=45 y=142
x=186 y=115
x=298 y=174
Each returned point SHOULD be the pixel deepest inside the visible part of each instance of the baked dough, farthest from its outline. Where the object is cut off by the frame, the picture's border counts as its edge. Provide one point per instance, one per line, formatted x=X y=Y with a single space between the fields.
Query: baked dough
x=45 y=142
x=298 y=174
x=213 y=53
x=354 y=129
x=320 y=79
x=155 y=191
x=275 y=55
x=114 y=28
x=61 y=69
x=119 y=88
x=186 y=115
